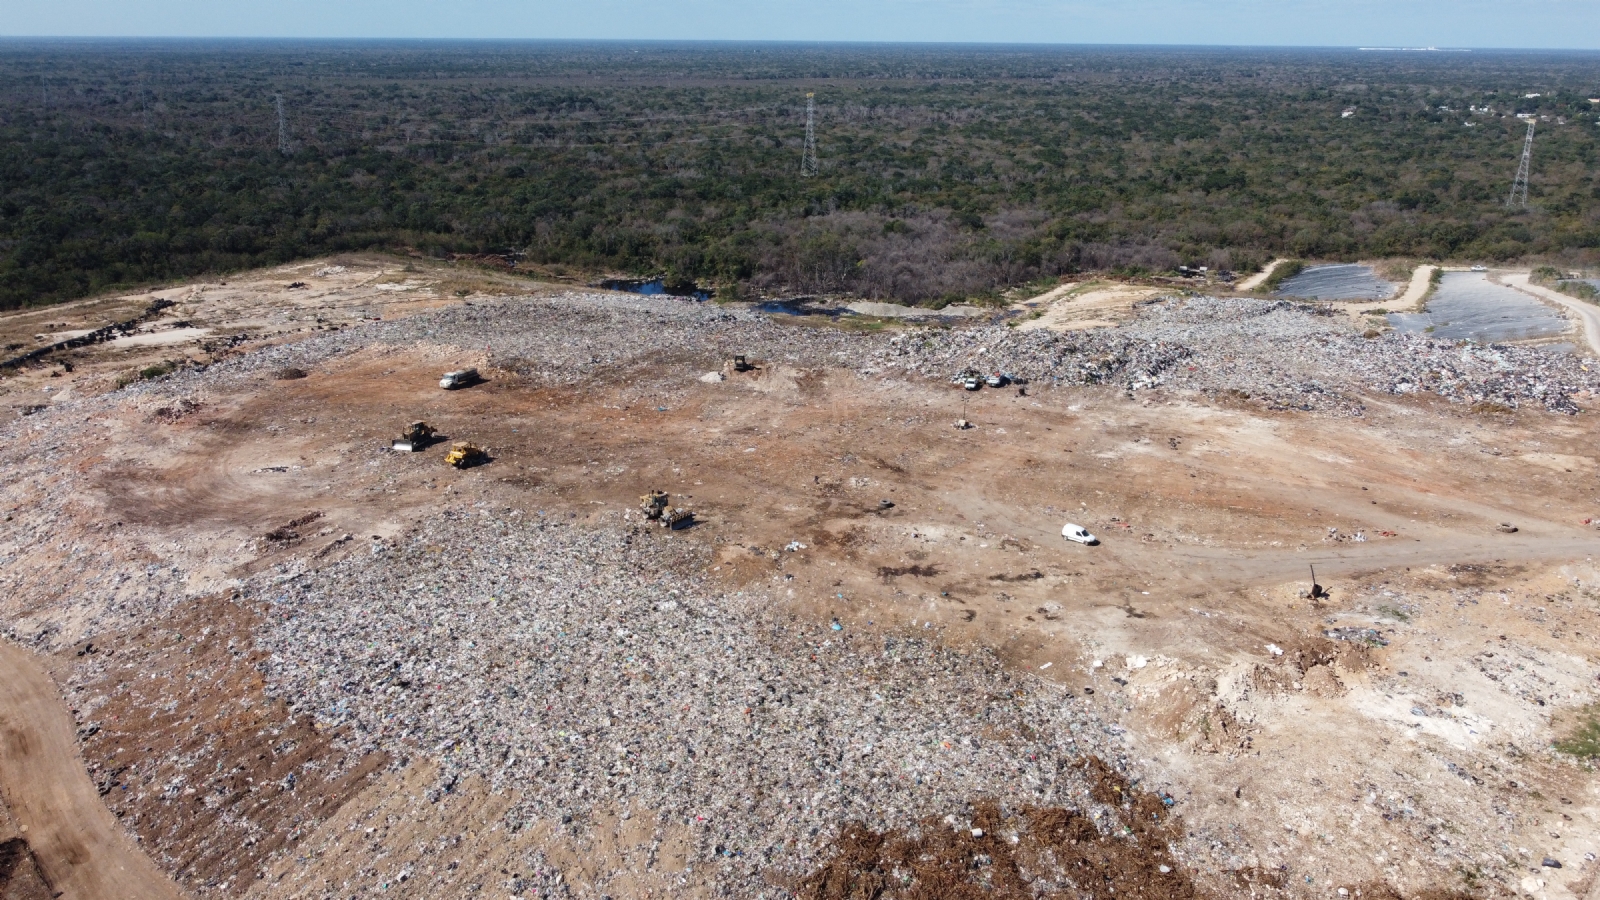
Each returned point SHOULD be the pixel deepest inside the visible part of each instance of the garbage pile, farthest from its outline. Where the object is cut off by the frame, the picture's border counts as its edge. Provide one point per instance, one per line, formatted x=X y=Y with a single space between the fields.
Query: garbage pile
x=1285 y=355
x=1281 y=354
x=593 y=669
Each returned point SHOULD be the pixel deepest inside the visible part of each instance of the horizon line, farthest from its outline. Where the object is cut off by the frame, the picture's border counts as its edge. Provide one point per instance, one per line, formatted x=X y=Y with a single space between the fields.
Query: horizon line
x=4 y=38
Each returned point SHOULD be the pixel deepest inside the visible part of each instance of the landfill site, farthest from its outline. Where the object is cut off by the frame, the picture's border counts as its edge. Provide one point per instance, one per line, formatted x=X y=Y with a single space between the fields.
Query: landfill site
x=381 y=577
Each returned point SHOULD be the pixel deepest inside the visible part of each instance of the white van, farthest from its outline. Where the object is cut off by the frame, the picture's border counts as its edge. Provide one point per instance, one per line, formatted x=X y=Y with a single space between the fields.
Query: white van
x=1078 y=534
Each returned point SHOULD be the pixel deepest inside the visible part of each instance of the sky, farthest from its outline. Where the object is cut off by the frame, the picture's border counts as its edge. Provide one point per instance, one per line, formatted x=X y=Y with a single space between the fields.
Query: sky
x=1545 y=24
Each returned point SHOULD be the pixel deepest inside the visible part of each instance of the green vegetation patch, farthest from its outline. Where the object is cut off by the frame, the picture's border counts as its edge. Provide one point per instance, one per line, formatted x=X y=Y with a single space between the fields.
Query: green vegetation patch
x=946 y=172
x=1545 y=275
x=1583 y=740
x=1286 y=270
x=158 y=370
x=1582 y=290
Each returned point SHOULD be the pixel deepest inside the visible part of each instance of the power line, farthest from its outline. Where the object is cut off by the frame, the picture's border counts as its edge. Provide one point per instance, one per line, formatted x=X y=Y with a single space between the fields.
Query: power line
x=283 y=127
x=1519 y=187
x=808 y=160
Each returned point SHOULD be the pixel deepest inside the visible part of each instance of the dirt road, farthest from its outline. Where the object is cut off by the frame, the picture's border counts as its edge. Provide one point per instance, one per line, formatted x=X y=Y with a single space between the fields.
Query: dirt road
x=1421 y=279
x=1588 y=314
x=1256 y=280
x=80 y=848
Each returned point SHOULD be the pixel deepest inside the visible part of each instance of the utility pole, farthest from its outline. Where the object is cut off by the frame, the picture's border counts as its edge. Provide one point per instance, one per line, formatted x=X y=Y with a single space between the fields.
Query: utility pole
x=283 y=127
x=808 y=160
x=1519 y=187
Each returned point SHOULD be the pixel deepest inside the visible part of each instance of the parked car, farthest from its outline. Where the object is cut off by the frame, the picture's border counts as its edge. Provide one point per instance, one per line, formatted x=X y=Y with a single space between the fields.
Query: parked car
x=1078 y=534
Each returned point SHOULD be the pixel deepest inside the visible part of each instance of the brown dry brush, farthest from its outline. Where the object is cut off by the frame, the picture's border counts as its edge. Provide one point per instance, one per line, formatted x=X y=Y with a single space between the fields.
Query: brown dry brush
x=916 y=571
x=1057 y=852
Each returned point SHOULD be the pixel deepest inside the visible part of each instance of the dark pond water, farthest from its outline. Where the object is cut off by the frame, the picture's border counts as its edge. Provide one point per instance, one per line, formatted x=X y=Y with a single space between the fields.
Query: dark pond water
x=1468 y=306
x=657 y=287
x=1337 y=282
x=800 y=308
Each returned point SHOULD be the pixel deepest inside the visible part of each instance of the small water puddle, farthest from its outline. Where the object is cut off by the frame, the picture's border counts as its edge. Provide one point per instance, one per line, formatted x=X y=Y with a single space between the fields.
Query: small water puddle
x=1337 y=282
x=1468 y=306
x=800 y=308
x=657 y=287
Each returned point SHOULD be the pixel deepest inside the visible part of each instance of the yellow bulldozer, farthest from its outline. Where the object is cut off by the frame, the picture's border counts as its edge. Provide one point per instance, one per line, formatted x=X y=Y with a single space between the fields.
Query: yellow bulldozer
x=417 y=436
x=655 y=508
x=652 y=504
x=463 y=455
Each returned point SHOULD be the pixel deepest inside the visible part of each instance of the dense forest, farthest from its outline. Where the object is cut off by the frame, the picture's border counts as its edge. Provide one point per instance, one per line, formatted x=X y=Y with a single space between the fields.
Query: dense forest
x=946 y=171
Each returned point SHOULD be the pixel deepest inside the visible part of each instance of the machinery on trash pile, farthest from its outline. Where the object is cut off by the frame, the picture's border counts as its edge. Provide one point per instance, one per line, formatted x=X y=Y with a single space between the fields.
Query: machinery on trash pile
x=971 y=380
x=655 y=508
x=653 y=503
x=740 y=364
x=463 y=454
x=417 y=436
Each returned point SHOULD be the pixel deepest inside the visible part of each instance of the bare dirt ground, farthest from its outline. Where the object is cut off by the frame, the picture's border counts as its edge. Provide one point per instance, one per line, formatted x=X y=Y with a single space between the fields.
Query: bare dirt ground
x=1079 y=306
x=64 y=839
x=212 y=319
x=1390 y=739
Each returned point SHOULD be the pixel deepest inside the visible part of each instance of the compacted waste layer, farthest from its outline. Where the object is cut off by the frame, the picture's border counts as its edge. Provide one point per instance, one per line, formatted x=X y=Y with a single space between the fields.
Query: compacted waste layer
x=1282 y=354
x=591 y=670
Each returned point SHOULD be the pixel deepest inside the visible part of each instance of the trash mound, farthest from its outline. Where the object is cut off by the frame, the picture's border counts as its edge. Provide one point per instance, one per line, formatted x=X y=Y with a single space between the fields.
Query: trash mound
x=1284 y=355
x=1016 y=853
x=1276 y=353
x=571 y=338
x=592 y=670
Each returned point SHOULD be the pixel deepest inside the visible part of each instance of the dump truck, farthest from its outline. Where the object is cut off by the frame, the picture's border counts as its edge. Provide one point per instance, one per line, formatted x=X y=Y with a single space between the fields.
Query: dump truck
x=417 y=436
x=459 y=379
x=463 y=455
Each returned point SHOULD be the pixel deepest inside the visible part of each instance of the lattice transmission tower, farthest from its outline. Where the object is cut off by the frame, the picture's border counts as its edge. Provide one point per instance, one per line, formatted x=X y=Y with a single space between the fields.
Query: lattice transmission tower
x=283 y=126
x=808 y=160
x=1519 y=187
